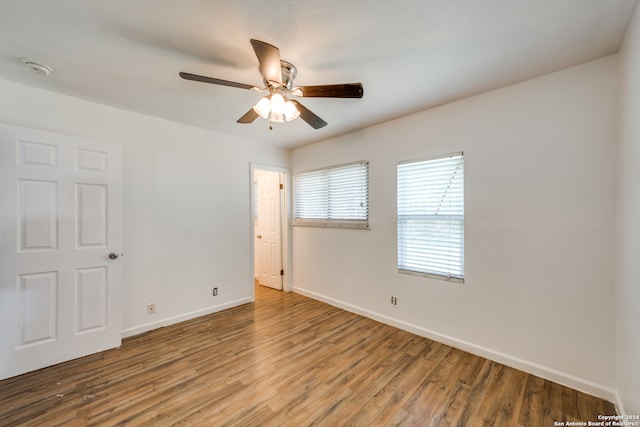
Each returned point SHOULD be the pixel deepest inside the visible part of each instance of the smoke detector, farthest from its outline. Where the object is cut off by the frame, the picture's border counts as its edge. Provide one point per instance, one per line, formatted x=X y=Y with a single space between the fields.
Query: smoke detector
x=37 y=68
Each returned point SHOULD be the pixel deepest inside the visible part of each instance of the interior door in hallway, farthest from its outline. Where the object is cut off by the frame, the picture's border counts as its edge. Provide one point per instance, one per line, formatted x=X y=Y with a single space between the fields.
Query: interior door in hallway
x=60 y=267
x=269 y=229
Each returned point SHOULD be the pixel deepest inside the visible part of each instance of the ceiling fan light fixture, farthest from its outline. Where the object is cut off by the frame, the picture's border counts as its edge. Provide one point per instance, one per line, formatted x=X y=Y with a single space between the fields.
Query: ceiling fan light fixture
x=276 y=108
x=290 y=111
x=277 y=103
x=263 y=107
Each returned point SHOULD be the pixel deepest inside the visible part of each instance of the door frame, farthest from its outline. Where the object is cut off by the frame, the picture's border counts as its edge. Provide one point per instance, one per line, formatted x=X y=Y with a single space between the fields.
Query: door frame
x=285 y=214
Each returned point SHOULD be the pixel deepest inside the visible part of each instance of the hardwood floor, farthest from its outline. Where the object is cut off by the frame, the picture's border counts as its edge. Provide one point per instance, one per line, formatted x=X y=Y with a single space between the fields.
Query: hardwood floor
x=287 y=360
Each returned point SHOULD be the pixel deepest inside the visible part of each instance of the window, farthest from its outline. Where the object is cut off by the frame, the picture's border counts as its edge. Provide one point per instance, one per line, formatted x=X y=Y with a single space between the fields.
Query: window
x=431 y=217
x=332 y=197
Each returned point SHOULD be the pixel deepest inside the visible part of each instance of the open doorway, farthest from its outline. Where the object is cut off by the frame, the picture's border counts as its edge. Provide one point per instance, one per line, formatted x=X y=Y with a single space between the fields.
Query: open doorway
x=269 y=227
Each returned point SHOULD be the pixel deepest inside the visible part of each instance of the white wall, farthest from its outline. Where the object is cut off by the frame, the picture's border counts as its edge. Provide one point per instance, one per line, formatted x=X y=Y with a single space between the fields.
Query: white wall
x=186 y=203
x=539 y=214
x=628 y=226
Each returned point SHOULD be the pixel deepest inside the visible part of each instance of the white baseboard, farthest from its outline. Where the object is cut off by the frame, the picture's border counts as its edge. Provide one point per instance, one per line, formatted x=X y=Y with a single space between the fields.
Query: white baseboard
x=550 y=374
x=181 y=318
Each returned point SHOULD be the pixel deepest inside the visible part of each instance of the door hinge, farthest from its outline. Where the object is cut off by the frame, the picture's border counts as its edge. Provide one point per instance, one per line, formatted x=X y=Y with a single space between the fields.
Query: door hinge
x=282 y=272
x=282 y=186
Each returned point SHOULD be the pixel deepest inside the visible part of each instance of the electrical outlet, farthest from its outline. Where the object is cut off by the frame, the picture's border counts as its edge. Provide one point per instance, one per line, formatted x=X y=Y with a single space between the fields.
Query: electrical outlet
x=151 y=308
x=215 y=292
x=394 y=301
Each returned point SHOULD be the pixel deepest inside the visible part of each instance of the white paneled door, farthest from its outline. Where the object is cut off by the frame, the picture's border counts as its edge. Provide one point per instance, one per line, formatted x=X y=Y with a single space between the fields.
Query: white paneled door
x=269 y=237
x=60 y=266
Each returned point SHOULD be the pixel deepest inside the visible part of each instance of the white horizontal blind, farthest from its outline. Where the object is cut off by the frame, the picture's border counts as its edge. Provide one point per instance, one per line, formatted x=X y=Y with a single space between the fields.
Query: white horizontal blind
x=255 y=201
x=333 y=197
x=431 y=217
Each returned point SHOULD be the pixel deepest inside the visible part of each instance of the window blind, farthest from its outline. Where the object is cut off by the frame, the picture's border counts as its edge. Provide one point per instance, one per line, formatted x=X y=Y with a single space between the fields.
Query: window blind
x=333 y=197
x=431 y=217
x=255 y=201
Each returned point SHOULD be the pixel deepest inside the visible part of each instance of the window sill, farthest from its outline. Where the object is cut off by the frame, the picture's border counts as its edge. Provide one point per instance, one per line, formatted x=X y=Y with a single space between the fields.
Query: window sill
x=432 y=276
x=331 y=224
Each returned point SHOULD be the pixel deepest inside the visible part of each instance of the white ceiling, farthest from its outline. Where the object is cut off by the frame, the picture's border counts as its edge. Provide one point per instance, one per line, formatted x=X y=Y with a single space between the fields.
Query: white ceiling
x=410 y=55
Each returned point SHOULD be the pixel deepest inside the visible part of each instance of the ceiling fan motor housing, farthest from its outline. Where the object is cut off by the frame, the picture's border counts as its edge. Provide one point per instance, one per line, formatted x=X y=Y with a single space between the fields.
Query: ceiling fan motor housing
x=288 y=73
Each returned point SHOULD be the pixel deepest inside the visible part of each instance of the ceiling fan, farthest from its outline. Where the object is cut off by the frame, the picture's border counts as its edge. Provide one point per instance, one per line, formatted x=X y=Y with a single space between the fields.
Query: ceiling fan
x=278 y=76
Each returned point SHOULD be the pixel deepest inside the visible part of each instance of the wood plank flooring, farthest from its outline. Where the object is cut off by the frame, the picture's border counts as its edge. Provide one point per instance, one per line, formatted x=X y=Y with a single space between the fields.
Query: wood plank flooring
x=287 y=360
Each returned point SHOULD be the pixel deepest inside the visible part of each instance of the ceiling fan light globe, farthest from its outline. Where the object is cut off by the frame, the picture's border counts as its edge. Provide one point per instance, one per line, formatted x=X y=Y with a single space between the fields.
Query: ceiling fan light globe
x=277 y=103
x=290 y=111
x=263 y=107
x=292 y=117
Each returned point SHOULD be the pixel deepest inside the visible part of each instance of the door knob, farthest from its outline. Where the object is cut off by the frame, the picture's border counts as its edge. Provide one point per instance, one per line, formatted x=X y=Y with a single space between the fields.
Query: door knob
x=113 y=255
x=259 y=236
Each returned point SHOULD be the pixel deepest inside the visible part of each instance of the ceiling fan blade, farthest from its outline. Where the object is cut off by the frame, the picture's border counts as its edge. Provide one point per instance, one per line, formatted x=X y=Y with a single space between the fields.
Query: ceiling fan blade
x=204 y=79
x=308 y=116
x=249 y=117
x=269 y=58
x=346 y=90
